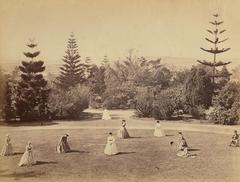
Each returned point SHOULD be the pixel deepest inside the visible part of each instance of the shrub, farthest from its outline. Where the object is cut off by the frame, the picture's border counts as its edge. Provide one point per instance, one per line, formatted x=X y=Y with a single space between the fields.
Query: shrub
x=166 y=103
x=69 y=104
x=226 y=109
x=198 y=112
x=113 y=103
x=144 y=104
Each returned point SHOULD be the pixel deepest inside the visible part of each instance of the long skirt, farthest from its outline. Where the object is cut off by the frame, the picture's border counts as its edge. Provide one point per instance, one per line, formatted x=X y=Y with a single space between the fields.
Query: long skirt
x=123 y=133
x=158 y=132
x=27 y=159
x=7 y=150
x=111 y=149
x=63 y=148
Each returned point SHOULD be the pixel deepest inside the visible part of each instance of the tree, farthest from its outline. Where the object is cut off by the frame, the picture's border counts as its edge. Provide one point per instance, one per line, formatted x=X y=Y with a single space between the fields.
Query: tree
x=215 y=32
x=198 y=90
x=2 y=92
x=72 y=72
x=10 y=108
x=226 y=105
x=32 y=90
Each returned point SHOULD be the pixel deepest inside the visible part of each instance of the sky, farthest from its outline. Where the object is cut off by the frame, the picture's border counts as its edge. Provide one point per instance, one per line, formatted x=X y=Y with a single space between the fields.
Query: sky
x=170 y=29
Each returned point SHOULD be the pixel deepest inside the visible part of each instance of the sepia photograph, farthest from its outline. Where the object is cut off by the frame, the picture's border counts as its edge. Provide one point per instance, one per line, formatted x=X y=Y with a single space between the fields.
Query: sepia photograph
x=120 y=90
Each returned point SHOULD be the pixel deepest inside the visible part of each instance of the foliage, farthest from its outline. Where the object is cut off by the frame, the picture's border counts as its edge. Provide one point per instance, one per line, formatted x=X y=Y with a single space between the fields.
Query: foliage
x=2 y=92
x=72 y=72
x=168 y=101
x=198 y=90
x=97 y=85
x=226 y=109
x=10 y=108
x=124 y=77
x=68 y=103
x=32 y=91
x=144 y=103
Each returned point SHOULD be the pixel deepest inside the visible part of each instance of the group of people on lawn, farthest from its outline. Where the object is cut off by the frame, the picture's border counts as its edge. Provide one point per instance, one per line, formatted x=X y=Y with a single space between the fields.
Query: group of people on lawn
x=110 y=148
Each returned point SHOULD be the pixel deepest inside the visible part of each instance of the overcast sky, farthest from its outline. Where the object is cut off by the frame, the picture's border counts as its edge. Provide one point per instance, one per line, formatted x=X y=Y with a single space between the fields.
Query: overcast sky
x=155 y=28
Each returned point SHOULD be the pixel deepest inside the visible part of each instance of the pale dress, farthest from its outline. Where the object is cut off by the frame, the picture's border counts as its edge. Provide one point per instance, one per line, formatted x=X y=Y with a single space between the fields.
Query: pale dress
x=183 y=153
x=111 y=147
x=7 y=147
x=122 y=132
x=158 y=132
x=63 y=146
x=106 y=115
x=27 y=158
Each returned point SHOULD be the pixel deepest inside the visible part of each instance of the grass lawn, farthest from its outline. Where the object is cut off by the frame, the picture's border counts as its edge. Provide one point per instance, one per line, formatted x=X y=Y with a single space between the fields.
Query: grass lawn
x=142 y=158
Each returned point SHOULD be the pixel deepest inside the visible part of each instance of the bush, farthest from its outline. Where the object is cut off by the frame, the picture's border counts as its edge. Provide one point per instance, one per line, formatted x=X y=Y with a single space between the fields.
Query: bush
x=144 y=104
x=113 y=103
x=226 y=109
x=198 y=112
x=69 y=104
x=166 y=103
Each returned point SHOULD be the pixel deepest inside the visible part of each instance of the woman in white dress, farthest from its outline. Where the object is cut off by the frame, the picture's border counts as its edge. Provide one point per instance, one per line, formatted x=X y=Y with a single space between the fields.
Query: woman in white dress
x=7 y=147
x=63 y=146
x=111 y=147
x=158 y=132
x=27 y=158
x=122 y=132
x=106 y=115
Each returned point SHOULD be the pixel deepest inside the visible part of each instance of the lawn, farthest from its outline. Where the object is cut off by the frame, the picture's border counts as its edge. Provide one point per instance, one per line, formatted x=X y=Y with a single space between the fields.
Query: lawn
x=141 y=158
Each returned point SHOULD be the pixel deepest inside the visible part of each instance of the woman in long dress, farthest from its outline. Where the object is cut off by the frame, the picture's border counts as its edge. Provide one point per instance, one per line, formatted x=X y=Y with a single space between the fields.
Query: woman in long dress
x=235 y=139
x=7 y=147
x=158 y=132
x=182 y=143
x=63 y=146
x=111 y=147
x=122 y=132
x=182 y=146
x=106 y=115
x=27 y=158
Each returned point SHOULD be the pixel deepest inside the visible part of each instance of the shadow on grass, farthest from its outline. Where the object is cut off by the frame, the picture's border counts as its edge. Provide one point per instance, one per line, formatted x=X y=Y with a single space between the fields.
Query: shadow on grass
x=169 y=135
x=132 y=137
x=45 y=162
x=3 y=171
x=85 y=116
x=120 y=153
x=33 y=123
x=17 y=176
x=17 y=153
x=78 y=151
x=193 y=149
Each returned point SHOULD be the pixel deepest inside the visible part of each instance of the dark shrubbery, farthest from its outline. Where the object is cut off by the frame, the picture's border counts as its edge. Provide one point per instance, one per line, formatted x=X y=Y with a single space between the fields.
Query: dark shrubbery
x=144 y=104
x=69 y=104
x=226 y=108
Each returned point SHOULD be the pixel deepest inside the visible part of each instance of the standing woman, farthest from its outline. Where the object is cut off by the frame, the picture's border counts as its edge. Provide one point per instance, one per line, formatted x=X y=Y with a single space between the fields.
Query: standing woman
x=122 y=132
x=27 y=158
x=111 y=147
x=158 y=132
x=63 y=146
x=7 y=147
x=106 y=115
